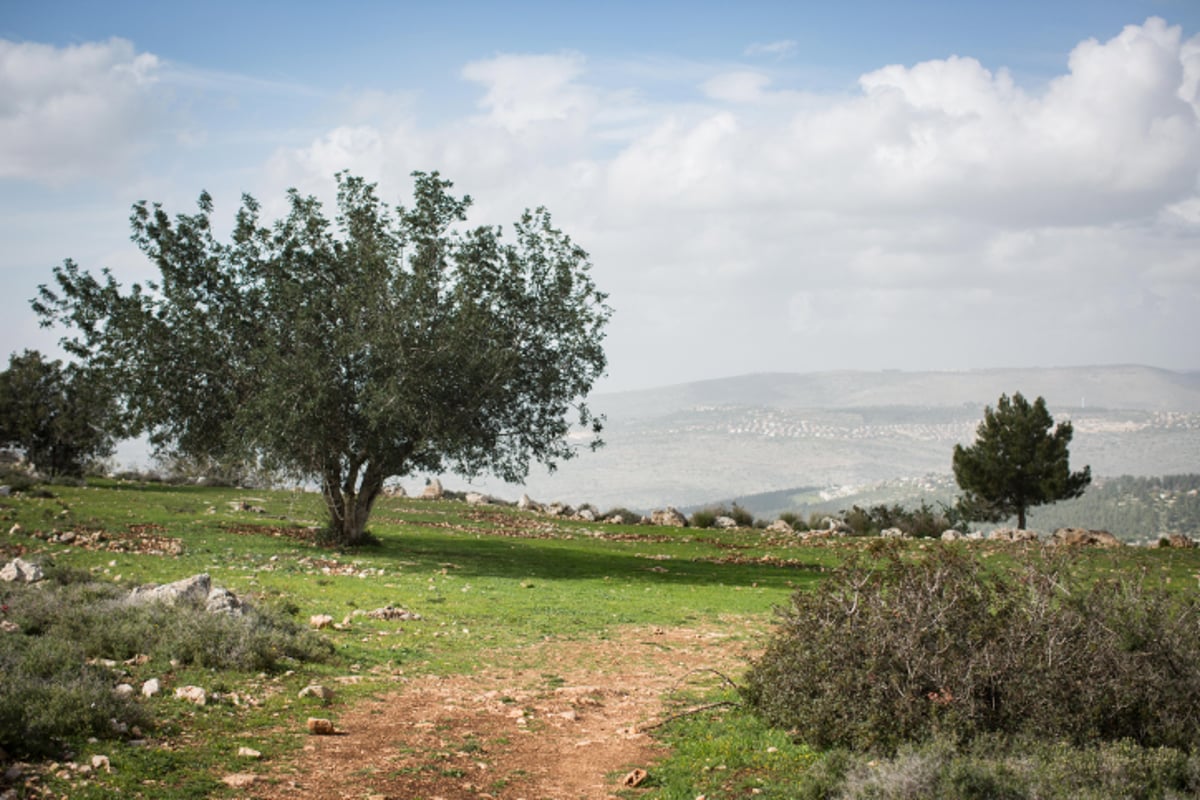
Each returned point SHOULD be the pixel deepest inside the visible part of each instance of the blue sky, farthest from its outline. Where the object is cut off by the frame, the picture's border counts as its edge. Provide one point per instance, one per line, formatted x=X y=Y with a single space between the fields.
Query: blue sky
x=762 y=187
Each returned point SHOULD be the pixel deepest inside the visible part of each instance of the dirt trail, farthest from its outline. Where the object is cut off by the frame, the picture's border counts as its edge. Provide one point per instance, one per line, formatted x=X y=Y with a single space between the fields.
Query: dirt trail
x=558 y=721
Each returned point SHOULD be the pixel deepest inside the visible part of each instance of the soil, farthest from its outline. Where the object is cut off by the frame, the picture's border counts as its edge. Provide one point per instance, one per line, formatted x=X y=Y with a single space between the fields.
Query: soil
x=562 y=720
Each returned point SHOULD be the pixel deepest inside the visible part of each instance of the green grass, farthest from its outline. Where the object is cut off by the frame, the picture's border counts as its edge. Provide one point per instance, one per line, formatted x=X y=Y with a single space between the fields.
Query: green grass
x=481 y=579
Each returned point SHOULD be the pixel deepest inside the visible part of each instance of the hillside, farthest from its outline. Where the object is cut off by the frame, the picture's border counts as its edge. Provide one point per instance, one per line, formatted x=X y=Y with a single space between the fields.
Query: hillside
x=699 y=442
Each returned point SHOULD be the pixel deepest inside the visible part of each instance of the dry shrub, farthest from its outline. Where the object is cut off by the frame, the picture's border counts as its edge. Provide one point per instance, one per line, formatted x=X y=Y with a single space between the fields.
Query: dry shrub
x=906 y=649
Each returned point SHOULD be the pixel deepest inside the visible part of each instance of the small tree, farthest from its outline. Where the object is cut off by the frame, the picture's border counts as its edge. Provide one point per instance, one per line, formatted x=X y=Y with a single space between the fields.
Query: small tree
x=61 y=418
x=385 y=342
x=1016 y=462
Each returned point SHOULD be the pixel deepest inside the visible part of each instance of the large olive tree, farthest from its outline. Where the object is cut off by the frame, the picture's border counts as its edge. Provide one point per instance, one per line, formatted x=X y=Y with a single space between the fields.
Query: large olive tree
x=1016 y=462
x=385 y=341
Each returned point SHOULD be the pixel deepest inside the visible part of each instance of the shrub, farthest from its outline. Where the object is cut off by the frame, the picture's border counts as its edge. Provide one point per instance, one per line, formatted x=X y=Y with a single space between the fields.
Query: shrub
x=901 y=649
x=705 y=518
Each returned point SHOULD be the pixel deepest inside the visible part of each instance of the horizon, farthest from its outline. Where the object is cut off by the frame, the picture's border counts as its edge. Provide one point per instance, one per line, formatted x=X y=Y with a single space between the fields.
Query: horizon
x=771 y=188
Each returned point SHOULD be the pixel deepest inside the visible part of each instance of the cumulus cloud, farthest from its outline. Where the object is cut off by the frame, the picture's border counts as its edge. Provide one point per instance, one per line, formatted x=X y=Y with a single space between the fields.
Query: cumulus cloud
x=72 y=111
x=941 y=215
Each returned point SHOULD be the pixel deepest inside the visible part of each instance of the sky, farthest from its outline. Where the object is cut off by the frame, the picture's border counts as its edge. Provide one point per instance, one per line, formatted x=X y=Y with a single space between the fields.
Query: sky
x=790 y=186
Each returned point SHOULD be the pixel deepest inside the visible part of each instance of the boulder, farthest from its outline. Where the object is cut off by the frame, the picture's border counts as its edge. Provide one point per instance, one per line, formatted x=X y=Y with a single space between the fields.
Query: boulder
x=526 y=504
x=559 y=510
x=780 y=526
x=1082 y=537
x=319 y=621
x=151 y=688
x=433 y=490
x=951 y=535
x=668 y=517
x=320 y=727
x=586 y=514
x=193 y=590
x=322 y=693
x=725 y=523
x=477 y=499
x=1176 y=540
x=192 y=694
x=893 y=533
x=21 y=570
x=223 y=601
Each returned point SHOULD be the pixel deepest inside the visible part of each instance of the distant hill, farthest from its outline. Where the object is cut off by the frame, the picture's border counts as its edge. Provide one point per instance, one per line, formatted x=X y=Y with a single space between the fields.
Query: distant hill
x=700 y=442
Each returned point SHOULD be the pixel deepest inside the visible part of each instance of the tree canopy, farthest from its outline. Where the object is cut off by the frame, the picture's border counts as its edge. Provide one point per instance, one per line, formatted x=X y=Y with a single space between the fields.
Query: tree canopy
x=385 y=341
x=61 y=418
x=1016 y=462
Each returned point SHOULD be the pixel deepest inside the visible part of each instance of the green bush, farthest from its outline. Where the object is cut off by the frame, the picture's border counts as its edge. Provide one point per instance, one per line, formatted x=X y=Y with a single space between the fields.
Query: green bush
x=906 y=648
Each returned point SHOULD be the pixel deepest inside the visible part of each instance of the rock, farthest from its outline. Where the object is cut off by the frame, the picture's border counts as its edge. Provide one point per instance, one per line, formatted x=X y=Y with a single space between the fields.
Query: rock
x=616 y=519
x=323 y=693
x=66 y=537
x=248 y=752
x=526 y=504
x=151 y=688
x=586 y=514
x=559 y=510
x=394 y=491
x=21 y=570
x=5 y=491
x=8 y=626
x=893 y=533
x=192 y=694
x=725 y=523
x=780 y=526
x=836 y=525
x=319 y=621
x=668 y=517
x=223 y=601
x=15 y=529
x=1176 y=540
x=194 y=590
x=101 y=763
x=393 y=613
x=433 y=490
x=239 y=780
x=319 y=727
x=123 y=691
x=951 y=535
x=1012 y=535
x=1082 y=537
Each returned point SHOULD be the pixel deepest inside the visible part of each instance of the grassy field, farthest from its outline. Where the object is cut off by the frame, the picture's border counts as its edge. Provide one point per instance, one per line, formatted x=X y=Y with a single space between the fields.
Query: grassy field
x=482 y=579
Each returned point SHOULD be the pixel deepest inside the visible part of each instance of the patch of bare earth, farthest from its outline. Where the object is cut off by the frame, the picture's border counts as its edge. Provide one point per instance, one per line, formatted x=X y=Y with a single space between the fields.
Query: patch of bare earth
x=559 y=720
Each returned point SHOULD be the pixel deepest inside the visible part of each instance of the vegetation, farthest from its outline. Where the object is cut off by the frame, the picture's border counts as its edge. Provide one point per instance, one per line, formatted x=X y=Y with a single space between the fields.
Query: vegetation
x=492 y=580
x=1016 y=463
x=61 y=418
x=384 y=342
x=909 y=649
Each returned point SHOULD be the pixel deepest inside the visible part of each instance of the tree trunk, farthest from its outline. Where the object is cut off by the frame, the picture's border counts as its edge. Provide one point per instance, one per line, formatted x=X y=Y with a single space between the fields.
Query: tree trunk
x=350 y=505
x=1021 y=518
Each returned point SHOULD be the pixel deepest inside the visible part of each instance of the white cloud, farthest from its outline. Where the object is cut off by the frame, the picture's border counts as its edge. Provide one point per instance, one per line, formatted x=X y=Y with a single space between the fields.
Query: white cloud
x=72 y=111
x=940 y=216
x=777 y=49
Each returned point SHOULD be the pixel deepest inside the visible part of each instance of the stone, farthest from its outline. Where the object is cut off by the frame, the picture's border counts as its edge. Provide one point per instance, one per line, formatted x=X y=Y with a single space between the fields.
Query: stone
x=780 y=526
x=248 y=752
x=240 y=780
x=21 y=570
x=123 y=691
x=951 y=535
x=151 y=688
x=5 y=491
x=319 y=621
x=192 y=694
x=323 y=693
x=893 y=533
x=586 y=514
x=101 y=763
x=194 y=590
x=1082 y=537
x=725 y=523
x=476 y=499
x=223 y=601
x=393 y=613
x=526 y=504
x=668 y=517
x=616 y=519
x=1176 y=540
x=320 y=727
x=15 y=529
x=433 y=490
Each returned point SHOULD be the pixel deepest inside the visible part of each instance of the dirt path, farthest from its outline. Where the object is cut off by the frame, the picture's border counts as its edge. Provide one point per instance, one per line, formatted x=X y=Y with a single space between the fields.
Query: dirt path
x=558 y=721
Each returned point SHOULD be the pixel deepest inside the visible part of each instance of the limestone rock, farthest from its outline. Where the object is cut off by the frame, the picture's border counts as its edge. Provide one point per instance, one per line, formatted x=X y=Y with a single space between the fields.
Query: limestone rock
x=1082 y=537
x=248 y=752
x=725 y=523
x=192 y=694
x=223 y=601
x=526 y=504
x=319 y=727
x=193 y=590
x=151 y=688
x=1176 y=540
x=123 y=691
x=319 y=621
x=780 y=526
x=21 y=570
x=893 y=533
x=433 y=490
x=668 y=517
x=323 y=693
x=951 y=535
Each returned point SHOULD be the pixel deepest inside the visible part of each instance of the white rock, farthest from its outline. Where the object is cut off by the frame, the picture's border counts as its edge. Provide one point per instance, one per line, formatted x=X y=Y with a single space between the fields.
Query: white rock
x=151 y=688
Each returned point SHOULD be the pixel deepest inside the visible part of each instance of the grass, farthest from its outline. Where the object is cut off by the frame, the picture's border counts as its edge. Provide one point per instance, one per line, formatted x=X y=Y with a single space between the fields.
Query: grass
x=481 y=579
